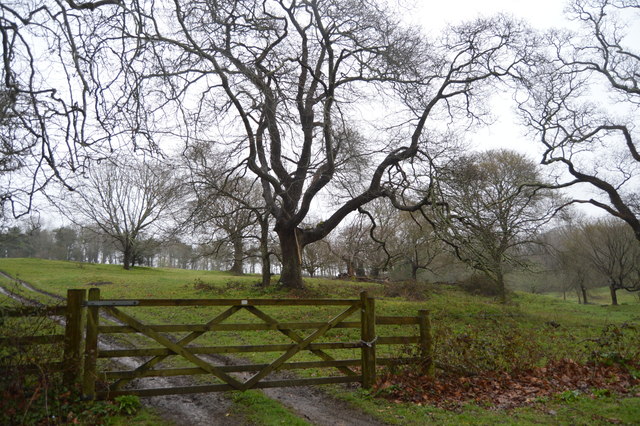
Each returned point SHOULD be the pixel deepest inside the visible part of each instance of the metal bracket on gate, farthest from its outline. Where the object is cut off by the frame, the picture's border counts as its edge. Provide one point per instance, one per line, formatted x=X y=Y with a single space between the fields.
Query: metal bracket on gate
x=112 y=303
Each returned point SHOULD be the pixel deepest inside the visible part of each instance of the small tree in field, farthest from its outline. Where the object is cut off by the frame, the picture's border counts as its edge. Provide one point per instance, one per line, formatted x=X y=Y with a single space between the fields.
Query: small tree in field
x=613 y=251
x=128 y=202
x=493 y=206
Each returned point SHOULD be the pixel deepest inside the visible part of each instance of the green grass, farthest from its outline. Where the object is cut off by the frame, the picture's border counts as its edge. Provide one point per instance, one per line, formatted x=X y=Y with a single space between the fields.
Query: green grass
x=144 y=417
x=529 y=330
x=258 y=409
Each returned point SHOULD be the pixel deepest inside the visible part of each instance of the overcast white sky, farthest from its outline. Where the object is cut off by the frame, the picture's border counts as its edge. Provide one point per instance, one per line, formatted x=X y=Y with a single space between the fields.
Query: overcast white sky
x=540 y=14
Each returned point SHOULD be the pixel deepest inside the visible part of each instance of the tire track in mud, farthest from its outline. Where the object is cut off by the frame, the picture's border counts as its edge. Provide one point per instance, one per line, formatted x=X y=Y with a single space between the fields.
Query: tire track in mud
x=309 y=403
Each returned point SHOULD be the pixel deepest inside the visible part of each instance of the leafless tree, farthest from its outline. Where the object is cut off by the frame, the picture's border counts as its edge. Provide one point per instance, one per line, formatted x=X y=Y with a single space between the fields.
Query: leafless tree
x=419 y=244
x=493 y=207
x=129 y=202
x=46 y=108
x=560 y=255
x=351 y=245
x=582 y=100
x=316 y=258
x=399 y=239
x=225 y=215
x=302 y=93
x=613 y=252
x=227 y=209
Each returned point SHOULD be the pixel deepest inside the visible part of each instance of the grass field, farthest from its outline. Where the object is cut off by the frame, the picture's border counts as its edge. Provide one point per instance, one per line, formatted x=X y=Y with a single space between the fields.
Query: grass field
x=472 y=333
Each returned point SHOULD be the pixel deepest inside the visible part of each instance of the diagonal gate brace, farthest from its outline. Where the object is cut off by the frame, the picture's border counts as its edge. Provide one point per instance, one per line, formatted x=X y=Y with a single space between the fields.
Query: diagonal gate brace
x=298 y=347
x=138 y=372
x=175 y=348
x=296 y=338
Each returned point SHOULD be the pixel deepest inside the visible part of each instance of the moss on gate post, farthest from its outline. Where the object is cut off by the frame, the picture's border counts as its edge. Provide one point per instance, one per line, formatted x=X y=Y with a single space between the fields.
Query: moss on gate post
x=426 y=343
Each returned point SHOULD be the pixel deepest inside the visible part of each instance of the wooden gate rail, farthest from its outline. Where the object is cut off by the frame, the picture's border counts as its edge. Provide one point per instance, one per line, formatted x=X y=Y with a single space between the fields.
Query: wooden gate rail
x=72 y=339
x=300 y=343
x=84 y=369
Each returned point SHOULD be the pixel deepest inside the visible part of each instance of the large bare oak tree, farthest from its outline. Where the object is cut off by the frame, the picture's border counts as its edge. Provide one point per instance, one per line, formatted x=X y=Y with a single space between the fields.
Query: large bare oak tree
x=317 y=98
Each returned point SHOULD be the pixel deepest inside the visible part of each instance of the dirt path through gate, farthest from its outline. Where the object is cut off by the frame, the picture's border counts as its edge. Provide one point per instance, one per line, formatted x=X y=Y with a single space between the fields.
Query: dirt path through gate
x=309 y=403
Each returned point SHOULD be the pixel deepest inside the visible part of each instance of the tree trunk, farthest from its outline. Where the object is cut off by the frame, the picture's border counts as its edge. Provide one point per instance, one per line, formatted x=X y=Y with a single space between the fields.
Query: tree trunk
x=127 y=257
x=351 y=272
x=584 y=294
x=501 y=286
x=614 y=296
x=291 y=275
x=375 y=272
x=264 y=251
x=238 y=254
x=414 y=272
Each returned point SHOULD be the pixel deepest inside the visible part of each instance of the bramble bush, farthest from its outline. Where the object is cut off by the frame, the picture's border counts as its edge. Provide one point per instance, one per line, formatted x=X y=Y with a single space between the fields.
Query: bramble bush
x=31 y=390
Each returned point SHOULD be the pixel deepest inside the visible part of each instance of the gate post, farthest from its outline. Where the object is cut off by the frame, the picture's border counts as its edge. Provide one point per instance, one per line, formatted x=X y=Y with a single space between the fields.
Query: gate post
x=91 y=347
x=73 y=336
x=368 y=339
x=426 y=343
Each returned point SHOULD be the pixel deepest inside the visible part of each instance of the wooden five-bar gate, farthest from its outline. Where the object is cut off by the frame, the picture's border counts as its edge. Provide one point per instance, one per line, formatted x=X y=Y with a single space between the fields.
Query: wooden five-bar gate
x=83 y=330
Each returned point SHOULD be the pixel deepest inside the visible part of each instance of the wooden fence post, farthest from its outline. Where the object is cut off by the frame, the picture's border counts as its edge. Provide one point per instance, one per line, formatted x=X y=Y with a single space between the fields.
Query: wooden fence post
x=426 y=343
x=91 y=347
x=73 y=336
x=368 y=340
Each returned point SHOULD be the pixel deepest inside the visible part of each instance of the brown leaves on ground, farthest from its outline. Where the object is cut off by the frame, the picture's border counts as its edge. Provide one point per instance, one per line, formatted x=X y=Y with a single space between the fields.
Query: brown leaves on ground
x=507 y=390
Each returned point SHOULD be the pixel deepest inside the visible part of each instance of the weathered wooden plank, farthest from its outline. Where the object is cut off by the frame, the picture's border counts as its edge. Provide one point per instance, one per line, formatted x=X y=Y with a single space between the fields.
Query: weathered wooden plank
x=300 y=346
x=119 y=353
x=387 y=320
x=426 y=344
x=297 y=338
x=176 y=328
x=177 y=390
x=174 y=347
x=73 y=335
x=32 y=340
x=91 y=347
x=224 y=387
x=239 y=302
x=398 y=340
x=368 y=337
x=112 y=375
